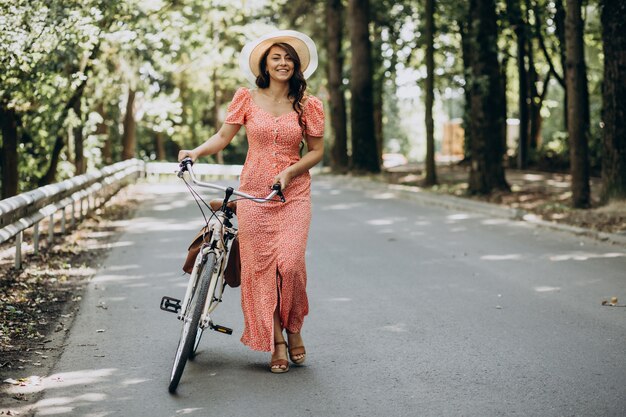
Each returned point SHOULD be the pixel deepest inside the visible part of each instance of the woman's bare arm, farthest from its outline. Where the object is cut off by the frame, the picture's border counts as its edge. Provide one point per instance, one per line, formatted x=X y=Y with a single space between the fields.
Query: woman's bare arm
x=213 y=145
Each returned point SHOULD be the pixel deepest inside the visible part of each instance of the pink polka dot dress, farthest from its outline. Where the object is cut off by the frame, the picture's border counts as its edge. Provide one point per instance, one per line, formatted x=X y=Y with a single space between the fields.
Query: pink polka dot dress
x=273 y=236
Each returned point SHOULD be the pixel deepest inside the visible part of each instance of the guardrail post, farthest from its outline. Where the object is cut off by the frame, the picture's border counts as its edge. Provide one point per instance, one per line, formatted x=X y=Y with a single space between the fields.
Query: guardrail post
x=36 y=238
x=63 y=220
x=73 y=222
x=18 y=250
x=51 y=229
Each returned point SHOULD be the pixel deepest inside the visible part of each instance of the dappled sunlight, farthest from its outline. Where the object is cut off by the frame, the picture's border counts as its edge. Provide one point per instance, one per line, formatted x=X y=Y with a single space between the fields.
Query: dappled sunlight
x=62 y=380
x=383 y=196
x=547 y=289
x=185 y=411
x=459 y=216
x=343 y=206
x=380 y=222
x=134 y=381
x=494 y=222
x=584 y=256
x=423 y=223
x=118 y=278
x=118 y=244
x=139 y=285
x=508 y=257
x=67 y=405
x=158 y=225
x=74 y=272
x=533 y=177
x=340 y=299
x=170 y=206
x=386 y=221
x=395 y=328
x=115 y=268
x=458 y=229
x=559 y=184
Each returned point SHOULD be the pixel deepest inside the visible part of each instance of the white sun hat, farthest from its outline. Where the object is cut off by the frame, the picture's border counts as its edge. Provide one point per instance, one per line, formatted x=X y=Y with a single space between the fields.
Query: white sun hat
x=252 y=52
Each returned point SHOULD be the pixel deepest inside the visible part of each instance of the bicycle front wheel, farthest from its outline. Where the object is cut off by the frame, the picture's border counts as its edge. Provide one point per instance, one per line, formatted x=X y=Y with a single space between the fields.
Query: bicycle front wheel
x=191 y=322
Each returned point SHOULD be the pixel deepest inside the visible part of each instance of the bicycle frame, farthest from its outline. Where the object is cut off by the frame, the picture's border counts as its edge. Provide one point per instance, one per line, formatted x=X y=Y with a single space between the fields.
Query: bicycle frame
x=217 y=229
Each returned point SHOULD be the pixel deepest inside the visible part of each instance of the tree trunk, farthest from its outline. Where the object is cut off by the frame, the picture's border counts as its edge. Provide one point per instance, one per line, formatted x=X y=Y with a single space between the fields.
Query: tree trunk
x=9 y=159
x=159 y=146
x=487 y=101
x=337 y=101
x=577 y=114
x=559 y=23
x=50 y=176
x=102 y=129
x=80 y=164
x=613 y=17
x=128 y=137
x=520 y=28
x=364 y=149
x=378 y=78
x=467 y=52
x=429 y=35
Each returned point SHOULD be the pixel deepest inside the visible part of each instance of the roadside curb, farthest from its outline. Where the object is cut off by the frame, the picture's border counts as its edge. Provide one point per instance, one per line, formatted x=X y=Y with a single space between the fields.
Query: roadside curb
x=458 y=203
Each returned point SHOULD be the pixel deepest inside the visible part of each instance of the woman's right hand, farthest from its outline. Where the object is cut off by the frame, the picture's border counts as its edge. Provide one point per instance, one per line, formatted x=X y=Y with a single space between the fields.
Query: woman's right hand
x=182 y=154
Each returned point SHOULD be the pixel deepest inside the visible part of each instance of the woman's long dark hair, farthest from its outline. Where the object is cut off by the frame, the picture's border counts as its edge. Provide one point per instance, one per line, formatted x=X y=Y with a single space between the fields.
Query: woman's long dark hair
x=297 y=83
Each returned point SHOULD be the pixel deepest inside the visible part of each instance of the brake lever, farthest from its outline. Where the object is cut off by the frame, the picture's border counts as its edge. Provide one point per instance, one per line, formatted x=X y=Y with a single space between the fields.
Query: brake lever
x=279 y=192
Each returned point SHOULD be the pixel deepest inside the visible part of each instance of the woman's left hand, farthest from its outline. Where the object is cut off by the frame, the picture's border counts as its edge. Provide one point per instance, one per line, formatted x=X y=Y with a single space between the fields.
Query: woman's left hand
x=284 y=178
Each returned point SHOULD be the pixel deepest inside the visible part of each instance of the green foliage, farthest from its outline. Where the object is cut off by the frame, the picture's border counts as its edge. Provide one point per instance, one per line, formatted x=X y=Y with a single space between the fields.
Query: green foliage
x=181 y=58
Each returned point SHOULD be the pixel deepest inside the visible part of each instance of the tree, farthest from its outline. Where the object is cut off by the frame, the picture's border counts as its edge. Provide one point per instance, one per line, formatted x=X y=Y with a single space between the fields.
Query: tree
x=337 y=101
x=577 y=105
x=613 y=16
x=431 y=174
x=520 y=28
x=8 y=126
x=364 y=148
x=486 y=101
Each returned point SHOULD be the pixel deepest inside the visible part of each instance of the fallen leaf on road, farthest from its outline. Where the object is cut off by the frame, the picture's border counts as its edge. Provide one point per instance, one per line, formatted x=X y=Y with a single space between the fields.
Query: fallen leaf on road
x=100 y=331
x=612 y=303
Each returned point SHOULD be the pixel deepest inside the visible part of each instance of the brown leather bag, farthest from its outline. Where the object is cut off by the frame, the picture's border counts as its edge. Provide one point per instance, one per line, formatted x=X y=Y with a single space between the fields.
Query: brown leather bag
x=232 y=275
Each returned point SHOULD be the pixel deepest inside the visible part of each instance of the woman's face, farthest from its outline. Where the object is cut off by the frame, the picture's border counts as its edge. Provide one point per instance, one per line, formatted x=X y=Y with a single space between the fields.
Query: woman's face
x=279 y=64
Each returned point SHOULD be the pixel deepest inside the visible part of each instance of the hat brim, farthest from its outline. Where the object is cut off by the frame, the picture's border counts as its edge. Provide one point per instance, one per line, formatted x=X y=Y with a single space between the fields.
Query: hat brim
x=253 y=51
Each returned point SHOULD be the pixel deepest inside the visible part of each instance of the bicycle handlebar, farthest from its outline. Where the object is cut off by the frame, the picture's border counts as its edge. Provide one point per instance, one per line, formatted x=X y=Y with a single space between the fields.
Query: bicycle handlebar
x=187 y=163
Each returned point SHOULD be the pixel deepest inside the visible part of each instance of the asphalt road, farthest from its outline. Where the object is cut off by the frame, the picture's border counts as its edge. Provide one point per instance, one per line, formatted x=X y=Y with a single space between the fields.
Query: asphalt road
x=415 y=311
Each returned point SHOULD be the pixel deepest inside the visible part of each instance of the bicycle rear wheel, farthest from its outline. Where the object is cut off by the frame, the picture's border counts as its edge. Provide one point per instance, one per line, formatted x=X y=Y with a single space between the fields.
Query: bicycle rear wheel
x=191 y=322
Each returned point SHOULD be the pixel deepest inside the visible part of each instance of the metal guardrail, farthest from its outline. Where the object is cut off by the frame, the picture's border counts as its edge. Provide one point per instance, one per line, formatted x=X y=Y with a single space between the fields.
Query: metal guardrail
x=154 y=170
x=22 y=211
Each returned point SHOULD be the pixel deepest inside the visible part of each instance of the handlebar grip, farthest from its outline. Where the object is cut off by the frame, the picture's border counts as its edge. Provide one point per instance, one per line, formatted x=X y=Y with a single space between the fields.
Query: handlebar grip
x=184 y=166
x=276 y=187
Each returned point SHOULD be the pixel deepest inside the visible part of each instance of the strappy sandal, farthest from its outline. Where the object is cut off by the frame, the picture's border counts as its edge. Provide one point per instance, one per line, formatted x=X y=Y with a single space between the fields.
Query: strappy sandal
x=295 y=351
x=279 y=362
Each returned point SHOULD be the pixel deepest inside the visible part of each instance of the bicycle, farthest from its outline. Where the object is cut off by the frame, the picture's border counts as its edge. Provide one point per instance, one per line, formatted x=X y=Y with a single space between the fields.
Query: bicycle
x=206 y=282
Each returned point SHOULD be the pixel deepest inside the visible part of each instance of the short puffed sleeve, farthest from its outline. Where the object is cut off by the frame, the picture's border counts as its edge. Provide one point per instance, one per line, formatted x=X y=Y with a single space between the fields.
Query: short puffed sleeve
x=314 y=117
x=238 y=107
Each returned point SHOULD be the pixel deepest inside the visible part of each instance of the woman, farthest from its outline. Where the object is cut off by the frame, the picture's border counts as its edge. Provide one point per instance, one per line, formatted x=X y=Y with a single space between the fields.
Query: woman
x=277 y=115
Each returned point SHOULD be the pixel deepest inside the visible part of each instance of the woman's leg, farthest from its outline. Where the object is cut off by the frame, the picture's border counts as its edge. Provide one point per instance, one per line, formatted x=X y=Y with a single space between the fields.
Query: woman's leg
x=280 y=347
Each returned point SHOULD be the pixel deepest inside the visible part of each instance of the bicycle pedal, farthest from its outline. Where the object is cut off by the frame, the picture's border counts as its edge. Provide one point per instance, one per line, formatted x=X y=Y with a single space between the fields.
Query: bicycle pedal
x=221 y=329
x=171 y=305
